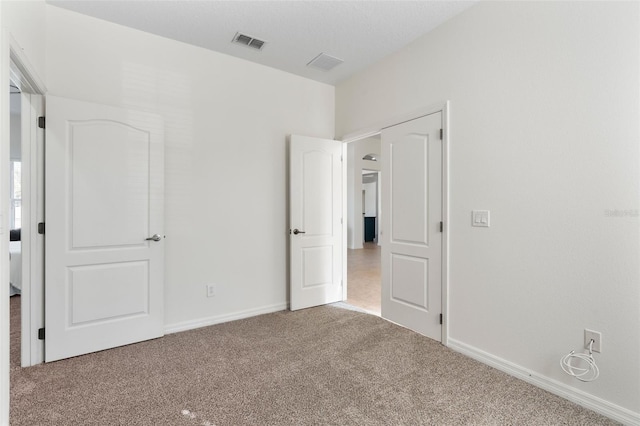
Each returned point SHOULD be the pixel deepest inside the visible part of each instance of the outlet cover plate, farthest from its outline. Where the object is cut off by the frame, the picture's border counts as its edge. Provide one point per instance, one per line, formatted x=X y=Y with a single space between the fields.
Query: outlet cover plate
x=597 y=340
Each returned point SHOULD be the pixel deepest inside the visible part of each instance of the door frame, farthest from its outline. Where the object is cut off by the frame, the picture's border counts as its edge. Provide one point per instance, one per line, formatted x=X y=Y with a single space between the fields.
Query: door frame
x=32 y=246
x=14 y=65
x=375 y=129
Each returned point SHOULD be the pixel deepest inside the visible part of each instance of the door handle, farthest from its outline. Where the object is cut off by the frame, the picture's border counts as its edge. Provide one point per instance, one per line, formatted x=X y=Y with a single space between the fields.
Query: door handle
x=296 y=231
x=155 y=237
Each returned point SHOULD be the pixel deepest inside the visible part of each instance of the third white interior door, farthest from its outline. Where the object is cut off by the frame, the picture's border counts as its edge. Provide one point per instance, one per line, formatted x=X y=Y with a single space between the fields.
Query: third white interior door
x=412 y=209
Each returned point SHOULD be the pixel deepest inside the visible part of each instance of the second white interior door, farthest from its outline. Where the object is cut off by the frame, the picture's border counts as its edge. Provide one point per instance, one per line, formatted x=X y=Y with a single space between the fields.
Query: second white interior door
x=411 y=229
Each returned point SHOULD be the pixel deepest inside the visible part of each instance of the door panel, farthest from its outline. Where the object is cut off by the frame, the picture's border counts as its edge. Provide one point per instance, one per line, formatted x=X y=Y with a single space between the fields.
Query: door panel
x=409 y=163
x=95 y=292
x=317 y=203
x=409 y=280
x=104 y=193
x=315 y=209
x=411 y=214
x=101 y=178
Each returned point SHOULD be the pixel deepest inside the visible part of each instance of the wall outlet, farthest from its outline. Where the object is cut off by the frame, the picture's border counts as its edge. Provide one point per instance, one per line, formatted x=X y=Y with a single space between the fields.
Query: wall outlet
x=211 y=290
x=597 y=340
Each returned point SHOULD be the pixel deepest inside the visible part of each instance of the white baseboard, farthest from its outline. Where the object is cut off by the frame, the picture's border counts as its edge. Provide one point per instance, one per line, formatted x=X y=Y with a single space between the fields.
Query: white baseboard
x=218 y=319
x=584 y=399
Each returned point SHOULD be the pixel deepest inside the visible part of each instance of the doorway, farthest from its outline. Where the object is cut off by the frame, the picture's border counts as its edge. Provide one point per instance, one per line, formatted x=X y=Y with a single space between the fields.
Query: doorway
x=363 y=242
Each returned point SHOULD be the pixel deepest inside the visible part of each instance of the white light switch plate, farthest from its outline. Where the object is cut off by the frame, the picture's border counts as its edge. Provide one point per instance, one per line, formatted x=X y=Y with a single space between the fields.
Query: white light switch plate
x=480 y=218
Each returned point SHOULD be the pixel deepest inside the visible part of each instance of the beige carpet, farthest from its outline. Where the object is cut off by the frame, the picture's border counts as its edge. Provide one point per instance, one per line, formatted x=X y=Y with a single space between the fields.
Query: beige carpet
x=319 y=366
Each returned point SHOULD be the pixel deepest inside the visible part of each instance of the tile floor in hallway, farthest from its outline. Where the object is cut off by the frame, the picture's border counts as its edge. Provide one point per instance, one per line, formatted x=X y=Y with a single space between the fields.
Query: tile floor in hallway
x=364 y=280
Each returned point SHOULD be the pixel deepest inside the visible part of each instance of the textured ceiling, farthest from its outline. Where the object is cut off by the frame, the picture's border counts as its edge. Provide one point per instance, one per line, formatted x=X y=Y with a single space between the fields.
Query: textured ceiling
x=358 y=32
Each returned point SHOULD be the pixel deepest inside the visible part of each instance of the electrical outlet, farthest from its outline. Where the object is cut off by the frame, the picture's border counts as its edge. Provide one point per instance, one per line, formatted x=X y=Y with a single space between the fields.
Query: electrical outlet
x=211 y=290
x=597 y=340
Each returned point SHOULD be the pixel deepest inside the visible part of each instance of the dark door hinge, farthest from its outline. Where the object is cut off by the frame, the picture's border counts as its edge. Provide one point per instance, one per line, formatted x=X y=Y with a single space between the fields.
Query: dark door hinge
x=41 y=122
x=440 y=318
x=41 y=333
x=441 y=226
x=441 y=134
x=41 y=228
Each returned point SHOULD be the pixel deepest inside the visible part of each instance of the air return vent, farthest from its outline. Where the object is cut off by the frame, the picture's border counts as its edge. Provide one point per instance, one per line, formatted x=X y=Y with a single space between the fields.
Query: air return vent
x=249 y=41
x=325 y=62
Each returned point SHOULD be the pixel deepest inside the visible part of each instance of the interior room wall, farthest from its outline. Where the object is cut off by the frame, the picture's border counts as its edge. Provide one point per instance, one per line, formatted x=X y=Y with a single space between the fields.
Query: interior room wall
x=226 y=126
x=544 y=100
x=26 y=22
x=355 y=164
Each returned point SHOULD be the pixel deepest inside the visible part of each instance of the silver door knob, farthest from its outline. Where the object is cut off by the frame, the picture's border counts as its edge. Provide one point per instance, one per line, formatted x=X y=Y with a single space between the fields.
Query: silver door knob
x=296 y=231
x=155 y=237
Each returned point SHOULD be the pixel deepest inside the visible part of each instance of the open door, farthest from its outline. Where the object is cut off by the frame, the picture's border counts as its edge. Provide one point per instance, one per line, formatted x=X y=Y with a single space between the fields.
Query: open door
x=315 y=184
x=104 y=241
x=412 y=220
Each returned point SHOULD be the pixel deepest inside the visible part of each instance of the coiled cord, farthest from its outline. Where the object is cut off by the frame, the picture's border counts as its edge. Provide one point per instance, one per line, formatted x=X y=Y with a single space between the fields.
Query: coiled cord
x=584 y=374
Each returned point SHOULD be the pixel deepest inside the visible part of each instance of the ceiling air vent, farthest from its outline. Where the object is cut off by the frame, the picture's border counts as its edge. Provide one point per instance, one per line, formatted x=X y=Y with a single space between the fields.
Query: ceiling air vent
x=249 y=41
x=325 y=62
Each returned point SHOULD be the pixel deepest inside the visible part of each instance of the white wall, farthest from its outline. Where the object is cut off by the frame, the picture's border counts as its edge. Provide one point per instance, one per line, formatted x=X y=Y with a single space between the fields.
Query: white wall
x=544 y=133
x=355 y=165
x=25 y=20
x=226 y=125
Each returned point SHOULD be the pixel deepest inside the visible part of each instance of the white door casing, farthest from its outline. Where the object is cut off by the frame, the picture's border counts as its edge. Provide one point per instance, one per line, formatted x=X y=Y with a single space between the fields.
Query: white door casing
x=315 y=184
x=104 y=197
x=32 y=297
x=412 y=211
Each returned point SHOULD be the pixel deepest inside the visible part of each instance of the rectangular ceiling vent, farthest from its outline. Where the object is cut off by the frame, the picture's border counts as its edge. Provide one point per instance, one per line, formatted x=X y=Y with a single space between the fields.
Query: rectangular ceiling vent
x=249 y=41
x=325 y=62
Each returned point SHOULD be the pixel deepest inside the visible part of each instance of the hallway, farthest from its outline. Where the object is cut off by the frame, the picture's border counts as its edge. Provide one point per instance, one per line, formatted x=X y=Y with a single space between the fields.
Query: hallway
x=364 y=280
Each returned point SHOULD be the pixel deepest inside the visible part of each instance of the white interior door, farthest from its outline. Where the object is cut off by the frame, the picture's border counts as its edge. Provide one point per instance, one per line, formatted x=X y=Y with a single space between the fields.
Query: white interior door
x=411 y=233
x=104 y=199
x=315 y=183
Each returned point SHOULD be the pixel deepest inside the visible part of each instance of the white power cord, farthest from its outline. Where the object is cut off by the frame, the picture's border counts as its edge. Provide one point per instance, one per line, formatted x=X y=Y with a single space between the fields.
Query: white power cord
x=585 y=374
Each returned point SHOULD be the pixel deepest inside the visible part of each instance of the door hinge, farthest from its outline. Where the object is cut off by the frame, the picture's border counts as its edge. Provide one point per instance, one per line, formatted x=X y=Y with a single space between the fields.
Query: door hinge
x=41 y=333
x=441 y=134
x=440 y=318
x=41 y=122
x=441 y=226
x=41 y=228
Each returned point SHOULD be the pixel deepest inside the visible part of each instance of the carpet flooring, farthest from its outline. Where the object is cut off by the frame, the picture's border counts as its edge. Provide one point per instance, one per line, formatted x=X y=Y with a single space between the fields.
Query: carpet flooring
x=318 y=366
